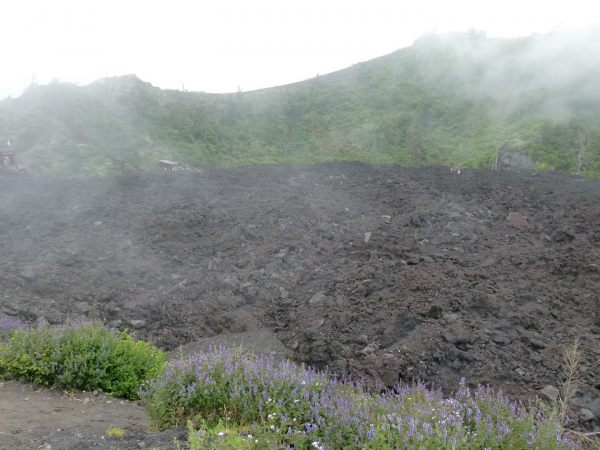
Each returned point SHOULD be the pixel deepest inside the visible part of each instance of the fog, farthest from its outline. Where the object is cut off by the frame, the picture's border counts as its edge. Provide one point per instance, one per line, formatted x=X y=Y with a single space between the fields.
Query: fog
x=218 y=47
x=451 y=98
x=565 y=63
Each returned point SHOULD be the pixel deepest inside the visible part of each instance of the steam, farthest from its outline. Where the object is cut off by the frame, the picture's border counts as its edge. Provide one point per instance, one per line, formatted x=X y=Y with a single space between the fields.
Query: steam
x=512 y=72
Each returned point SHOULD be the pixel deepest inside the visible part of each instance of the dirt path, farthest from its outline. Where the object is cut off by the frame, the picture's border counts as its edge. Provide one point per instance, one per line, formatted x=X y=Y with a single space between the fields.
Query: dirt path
x=37 y=417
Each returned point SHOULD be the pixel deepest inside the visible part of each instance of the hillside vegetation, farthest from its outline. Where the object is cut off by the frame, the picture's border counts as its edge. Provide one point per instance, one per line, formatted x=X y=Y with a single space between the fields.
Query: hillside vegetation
x=454 y=99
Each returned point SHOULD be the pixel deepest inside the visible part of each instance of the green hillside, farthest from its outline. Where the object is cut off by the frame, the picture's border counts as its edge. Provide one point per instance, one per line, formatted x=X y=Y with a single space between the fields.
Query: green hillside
x=448 y=99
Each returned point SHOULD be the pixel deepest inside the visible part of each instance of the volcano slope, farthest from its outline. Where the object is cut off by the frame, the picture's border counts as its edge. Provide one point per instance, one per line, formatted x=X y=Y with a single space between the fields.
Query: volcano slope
x=375 y=271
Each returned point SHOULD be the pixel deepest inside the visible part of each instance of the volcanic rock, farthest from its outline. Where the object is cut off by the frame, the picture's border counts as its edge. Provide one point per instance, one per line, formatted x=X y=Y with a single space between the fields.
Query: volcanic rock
x=514 y=218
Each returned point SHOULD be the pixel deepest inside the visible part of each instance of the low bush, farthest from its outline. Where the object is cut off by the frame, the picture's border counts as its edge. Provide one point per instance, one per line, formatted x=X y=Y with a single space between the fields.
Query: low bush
x=280 y=405
x=246 y=389
x=79 y=356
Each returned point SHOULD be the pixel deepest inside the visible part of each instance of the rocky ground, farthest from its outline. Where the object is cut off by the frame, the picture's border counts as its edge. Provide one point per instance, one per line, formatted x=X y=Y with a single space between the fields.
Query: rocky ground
x=375 y=271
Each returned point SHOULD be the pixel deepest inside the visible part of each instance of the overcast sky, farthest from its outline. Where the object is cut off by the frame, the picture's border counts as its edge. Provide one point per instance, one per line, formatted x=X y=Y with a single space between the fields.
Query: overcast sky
x=218 y=45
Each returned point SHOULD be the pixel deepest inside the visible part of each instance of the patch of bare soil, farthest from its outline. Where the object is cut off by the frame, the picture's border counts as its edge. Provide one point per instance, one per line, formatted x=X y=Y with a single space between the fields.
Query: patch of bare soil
x=35 y=417
x=375 y=271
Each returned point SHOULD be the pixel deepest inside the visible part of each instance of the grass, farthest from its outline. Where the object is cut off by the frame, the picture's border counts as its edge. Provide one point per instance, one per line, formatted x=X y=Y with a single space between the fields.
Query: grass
x=231 y=400
x=116 y=433
x=571 y=374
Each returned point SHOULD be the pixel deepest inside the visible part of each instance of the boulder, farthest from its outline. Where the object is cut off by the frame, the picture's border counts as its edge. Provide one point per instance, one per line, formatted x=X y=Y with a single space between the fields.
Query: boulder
x=562 y=236
x=549 y=393
x=250 y=231
x=336 y=347
x=581 y=400
x=339 y=365
x=457 y=334
x=533 y=341
x=485 y=305
x=435 y=312
x=137 y=323
x=54 y=317
x=317 y=298
x=242 y=263
x=389 y=371
x=371 y=348
x=28 y=273
x=83 y=307
x=500 y=337
x=342 y=319
x=309 y=333
x=361 y=339
x=586 y=415
x=516 y=219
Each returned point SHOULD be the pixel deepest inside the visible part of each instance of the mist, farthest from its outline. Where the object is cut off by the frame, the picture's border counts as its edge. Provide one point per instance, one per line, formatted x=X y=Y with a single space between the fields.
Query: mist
x=451 y=99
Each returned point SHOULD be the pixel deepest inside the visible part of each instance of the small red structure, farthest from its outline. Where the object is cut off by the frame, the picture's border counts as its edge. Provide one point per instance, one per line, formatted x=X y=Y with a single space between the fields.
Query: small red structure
x=9 y=156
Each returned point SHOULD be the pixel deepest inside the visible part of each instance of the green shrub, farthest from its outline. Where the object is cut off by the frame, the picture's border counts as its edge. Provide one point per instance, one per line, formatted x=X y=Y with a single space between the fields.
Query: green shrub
x=81 y=356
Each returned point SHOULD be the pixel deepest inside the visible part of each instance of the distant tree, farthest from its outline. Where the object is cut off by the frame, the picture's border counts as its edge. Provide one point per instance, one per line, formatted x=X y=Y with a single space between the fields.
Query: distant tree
x=178 y=120
x=32 y=85
x=579 y=150
x=315 y=89
x=414 y=141
x=292 y=111
x=198 y=113
x=128 y=153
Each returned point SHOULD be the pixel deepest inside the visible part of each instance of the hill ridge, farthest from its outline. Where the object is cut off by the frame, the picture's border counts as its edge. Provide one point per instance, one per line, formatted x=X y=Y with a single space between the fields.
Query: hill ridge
x=451 y=99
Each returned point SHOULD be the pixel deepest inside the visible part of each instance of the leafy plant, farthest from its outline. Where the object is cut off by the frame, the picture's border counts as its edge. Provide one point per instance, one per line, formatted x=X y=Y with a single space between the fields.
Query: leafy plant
x=231 y=400
x=206 y=385
x=81 y=356
x=219 y=437
x=116 y=433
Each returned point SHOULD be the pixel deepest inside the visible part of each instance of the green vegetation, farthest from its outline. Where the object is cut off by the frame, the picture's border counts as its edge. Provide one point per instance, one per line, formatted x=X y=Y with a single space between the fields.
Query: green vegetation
x=115 y=433
x=448 y=99
x=80 y=356
x=230 y=400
